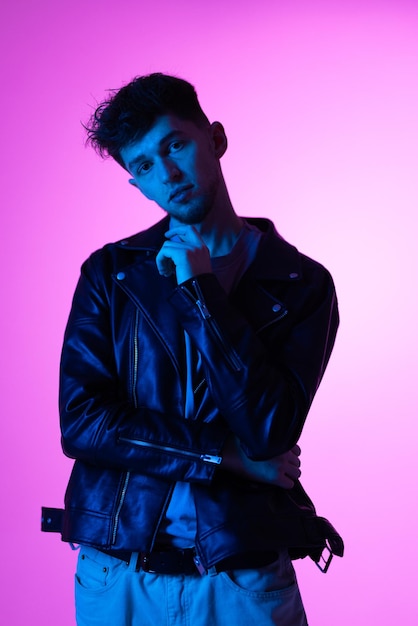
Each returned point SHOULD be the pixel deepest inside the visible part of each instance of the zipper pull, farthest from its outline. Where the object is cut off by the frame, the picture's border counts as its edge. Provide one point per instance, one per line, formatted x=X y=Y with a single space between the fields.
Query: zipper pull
x=210 y=458
x=203 y=309
x=200 y=301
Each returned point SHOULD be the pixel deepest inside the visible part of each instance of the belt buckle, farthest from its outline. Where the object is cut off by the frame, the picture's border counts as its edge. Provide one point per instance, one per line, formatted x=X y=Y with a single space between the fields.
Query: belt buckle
x=166 y=562
x=325 y=559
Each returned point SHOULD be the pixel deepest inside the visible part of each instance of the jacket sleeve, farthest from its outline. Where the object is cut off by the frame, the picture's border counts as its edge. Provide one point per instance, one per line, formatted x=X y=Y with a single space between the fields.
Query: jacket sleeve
x=262 y=387
x=99 y=424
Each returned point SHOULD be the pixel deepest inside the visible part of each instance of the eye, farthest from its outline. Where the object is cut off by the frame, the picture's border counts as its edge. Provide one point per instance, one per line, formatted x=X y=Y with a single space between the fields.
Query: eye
x=176 y=145
x=144 y=167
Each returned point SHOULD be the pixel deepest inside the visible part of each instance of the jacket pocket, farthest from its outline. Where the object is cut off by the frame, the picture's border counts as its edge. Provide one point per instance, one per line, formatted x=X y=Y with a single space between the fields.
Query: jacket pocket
x=186 y=454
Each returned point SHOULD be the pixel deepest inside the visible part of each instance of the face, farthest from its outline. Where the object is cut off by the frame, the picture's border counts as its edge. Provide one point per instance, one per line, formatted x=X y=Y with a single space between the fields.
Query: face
x=176 y=164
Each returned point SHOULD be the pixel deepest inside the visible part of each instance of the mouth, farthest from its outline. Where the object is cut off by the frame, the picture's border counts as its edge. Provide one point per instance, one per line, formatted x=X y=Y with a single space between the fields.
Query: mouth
x=180 y=194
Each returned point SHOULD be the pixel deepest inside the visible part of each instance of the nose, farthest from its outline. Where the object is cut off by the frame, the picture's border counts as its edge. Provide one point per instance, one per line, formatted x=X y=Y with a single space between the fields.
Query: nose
x=170 y=171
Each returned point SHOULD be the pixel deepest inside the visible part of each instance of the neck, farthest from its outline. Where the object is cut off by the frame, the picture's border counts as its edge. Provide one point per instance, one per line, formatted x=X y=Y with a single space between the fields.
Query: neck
x=220 y=235
x=221 y=227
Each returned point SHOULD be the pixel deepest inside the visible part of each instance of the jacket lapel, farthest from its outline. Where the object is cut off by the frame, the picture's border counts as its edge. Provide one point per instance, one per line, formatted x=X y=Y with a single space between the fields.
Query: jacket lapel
x=150 y=292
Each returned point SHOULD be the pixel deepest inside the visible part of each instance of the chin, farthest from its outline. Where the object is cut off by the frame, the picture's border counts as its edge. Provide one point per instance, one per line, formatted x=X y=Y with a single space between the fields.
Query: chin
x=192 y=215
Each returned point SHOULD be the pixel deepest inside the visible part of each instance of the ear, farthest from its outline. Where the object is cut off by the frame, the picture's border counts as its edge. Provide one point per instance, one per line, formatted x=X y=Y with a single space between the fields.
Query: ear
x=133 y=182
x=219 y=140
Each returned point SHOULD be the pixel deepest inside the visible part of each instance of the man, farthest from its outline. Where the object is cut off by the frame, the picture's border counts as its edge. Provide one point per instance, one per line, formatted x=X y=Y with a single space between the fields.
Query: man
x=191 y=357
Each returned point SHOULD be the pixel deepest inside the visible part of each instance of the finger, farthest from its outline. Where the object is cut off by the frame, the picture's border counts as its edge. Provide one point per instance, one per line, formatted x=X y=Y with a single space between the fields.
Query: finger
x=293 y=473
x=184 y=233
x=165 y=264
x=286 y=482
x=176 y=234
x=292 y=458
x=166 y=268
x=296 y=450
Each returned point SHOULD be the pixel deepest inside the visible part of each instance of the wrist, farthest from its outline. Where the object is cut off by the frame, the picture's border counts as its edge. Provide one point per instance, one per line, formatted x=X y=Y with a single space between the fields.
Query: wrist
x=185 y=274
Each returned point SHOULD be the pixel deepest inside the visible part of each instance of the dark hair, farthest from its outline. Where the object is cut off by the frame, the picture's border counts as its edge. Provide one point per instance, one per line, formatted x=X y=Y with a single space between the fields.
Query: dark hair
x=131 y=111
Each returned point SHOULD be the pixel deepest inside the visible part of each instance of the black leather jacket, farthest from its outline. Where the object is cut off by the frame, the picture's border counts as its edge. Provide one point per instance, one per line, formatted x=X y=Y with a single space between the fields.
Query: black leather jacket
x=264 y=349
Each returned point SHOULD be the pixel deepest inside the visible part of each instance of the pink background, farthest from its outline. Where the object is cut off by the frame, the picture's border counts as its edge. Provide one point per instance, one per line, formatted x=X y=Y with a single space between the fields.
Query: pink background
x=320 y=102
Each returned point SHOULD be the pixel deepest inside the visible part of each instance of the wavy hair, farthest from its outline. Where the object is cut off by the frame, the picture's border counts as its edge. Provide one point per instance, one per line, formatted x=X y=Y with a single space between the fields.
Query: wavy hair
x=130 y=112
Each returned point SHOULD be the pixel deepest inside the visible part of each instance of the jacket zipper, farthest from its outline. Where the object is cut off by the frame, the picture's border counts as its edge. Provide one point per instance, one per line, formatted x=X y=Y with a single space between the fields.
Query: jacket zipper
x=136 y=357
x=227 y=350
x=134 y=380
x=120 y=504
x=205 y=458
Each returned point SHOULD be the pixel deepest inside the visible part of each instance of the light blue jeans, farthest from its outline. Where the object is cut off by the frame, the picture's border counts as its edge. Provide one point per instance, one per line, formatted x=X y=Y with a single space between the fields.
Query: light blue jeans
x=110 y=593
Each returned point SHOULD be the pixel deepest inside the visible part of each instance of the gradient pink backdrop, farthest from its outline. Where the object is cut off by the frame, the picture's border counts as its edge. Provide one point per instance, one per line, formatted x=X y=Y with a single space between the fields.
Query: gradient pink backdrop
x=320 y=102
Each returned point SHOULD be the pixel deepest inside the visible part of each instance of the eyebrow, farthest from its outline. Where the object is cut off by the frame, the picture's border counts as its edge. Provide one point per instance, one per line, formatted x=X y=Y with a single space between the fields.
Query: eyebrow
x=163 y=140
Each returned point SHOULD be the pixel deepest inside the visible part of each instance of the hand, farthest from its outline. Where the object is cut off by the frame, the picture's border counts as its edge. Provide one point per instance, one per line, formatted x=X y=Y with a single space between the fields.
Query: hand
x=184 y=253
x=282 y=471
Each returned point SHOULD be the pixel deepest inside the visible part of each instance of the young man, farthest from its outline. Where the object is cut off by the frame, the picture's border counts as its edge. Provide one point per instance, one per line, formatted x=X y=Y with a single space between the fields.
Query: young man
x=191 y=357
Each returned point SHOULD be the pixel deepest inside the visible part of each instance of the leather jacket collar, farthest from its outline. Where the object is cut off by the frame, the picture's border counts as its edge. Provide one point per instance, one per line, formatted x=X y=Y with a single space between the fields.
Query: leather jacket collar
x=276 y=260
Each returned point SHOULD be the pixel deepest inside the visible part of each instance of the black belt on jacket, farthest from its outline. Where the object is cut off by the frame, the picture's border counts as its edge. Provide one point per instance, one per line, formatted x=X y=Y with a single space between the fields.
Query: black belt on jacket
x=187 y=562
